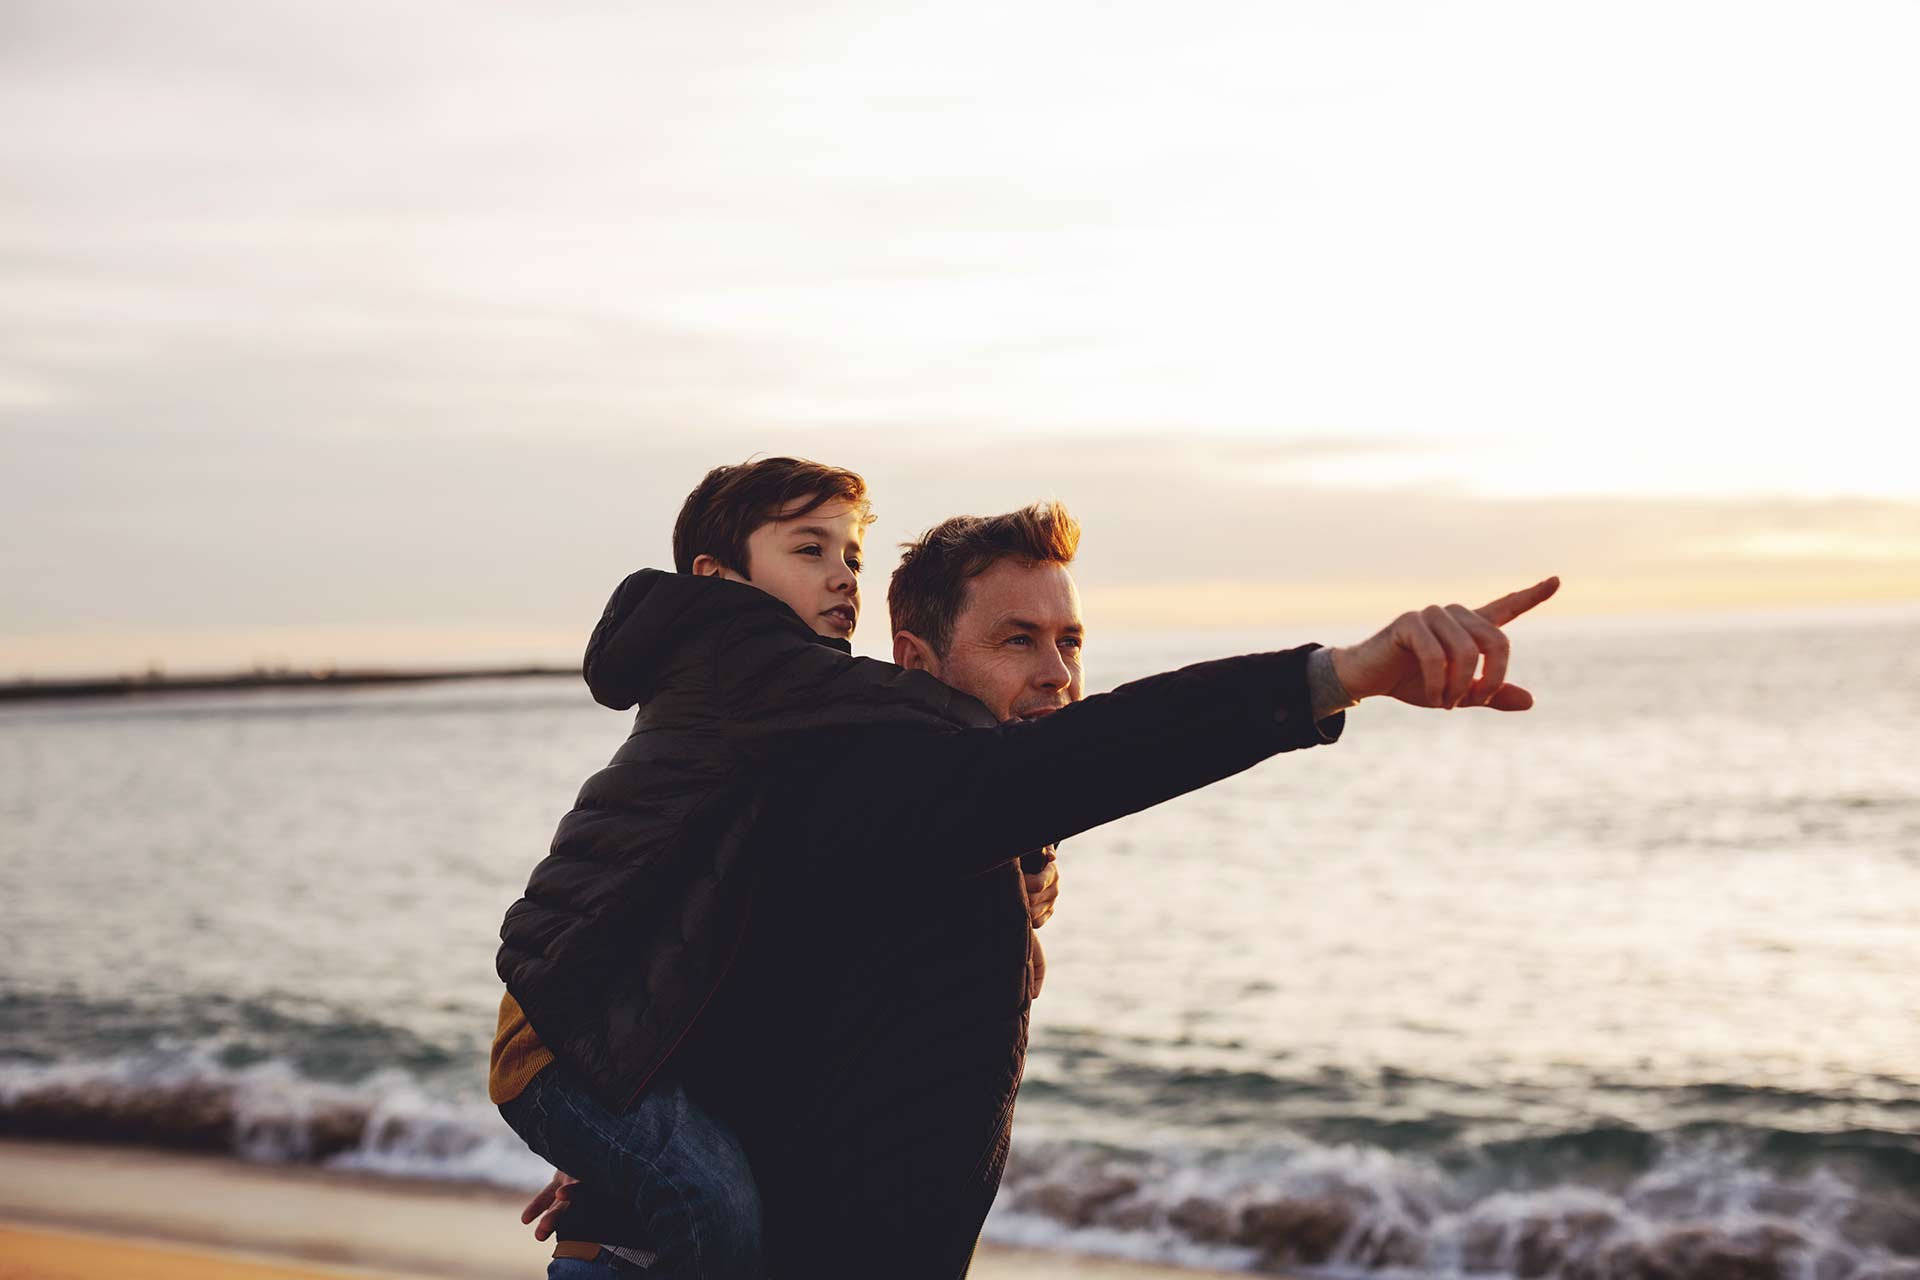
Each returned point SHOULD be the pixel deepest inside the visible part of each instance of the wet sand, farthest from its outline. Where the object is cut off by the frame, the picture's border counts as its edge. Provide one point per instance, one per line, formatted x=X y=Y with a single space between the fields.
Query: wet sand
x=45 y=1255
x=77 y=1211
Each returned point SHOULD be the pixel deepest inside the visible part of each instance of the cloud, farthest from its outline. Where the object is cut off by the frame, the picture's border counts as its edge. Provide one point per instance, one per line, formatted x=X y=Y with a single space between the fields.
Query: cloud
x=389 y=317
x=503 y=535
x=1253 y=219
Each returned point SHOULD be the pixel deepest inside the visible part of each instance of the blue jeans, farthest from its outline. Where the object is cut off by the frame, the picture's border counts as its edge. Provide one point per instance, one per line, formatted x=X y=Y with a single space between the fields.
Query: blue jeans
x=665 y=1176
x=580 y=1269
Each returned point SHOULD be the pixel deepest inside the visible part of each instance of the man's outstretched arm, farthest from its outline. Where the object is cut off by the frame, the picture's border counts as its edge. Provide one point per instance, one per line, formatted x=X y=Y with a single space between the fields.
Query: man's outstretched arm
x=959 y=802
x=962 y=801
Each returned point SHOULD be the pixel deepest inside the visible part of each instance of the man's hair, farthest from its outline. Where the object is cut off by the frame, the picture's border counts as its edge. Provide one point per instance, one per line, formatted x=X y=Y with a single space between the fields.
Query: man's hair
x=731 y=502
x=929 y=588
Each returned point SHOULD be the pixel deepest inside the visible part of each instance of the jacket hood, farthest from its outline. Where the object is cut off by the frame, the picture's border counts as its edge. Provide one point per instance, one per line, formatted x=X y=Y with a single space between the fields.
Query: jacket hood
x=654 y=614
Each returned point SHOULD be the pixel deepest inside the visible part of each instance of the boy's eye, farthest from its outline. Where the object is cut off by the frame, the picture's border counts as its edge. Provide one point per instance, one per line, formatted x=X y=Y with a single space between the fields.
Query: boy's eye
x=854 y=564
x=811 y=549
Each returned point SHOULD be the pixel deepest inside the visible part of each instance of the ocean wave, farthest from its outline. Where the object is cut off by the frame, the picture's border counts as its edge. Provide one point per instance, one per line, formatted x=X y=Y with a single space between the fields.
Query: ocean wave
x=1585 y=1129
x=1702 y=1209
x=317 y=1039
x=1603 y=1203
x=266 y=1112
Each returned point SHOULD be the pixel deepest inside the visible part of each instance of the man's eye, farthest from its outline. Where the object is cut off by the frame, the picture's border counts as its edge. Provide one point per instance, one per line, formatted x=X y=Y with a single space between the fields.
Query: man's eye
x=1072 y=642
x=1019 y=639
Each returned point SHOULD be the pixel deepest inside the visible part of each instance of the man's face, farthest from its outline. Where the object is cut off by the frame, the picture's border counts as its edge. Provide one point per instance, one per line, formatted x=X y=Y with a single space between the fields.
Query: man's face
x=1016 y=644
x=810 y=561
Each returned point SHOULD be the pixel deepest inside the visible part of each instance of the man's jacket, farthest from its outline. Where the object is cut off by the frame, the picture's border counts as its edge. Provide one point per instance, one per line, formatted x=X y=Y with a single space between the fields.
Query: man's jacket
x=631 y=920
x=869 y=1044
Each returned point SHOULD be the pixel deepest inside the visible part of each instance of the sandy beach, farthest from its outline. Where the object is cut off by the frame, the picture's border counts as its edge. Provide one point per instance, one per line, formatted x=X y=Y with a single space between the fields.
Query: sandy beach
x=80 y=1211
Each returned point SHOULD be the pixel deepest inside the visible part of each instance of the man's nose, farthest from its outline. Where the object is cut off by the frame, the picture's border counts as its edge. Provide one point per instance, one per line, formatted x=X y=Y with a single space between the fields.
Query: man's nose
x=1055 y=674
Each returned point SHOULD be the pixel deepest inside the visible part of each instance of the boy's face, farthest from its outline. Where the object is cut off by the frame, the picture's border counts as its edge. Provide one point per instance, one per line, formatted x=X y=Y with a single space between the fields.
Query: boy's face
x=810 y=562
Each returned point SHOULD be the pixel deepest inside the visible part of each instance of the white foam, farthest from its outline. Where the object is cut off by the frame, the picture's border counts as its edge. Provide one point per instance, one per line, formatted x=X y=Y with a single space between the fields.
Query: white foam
x=277 y=1115
x=1409 y=1217
x=1394 y=1212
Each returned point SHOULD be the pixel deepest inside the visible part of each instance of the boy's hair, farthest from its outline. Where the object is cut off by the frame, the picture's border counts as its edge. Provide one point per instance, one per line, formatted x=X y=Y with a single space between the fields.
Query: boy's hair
x=731 y=502
x=929 y=588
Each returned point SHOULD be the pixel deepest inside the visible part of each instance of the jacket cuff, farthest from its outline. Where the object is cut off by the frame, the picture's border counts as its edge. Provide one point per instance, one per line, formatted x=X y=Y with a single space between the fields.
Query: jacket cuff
x=1329 y=697
x=1310 y=702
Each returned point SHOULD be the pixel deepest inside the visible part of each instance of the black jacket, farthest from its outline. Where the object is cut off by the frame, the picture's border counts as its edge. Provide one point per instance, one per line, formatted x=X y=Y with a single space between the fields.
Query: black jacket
x=631 y=920
x=870 y=1043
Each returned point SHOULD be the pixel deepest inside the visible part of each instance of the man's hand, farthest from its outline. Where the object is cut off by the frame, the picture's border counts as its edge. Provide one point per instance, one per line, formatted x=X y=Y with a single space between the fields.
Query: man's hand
x=1039 y=970
x=549 y=1204
x=1428 y=658
x=1042 y=891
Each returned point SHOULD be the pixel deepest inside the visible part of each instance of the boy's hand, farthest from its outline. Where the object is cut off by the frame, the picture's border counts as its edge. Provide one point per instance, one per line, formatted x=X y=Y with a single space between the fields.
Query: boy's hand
x=549 y=1204
x=1043 y=889
x=1428 y=658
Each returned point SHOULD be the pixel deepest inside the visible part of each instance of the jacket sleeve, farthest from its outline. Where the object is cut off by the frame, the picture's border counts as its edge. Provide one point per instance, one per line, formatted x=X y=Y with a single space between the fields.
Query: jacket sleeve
x=783 y=688
x=956 y=802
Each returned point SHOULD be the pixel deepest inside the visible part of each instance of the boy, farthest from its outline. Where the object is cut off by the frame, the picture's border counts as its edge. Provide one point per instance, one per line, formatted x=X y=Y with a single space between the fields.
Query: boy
x=629 y=925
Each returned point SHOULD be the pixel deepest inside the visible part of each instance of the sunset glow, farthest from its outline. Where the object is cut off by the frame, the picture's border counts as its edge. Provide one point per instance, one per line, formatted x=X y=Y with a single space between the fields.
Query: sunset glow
x=312 y=334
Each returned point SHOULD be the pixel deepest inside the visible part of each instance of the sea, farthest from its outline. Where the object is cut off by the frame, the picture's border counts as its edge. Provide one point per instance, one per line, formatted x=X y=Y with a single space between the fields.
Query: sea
x=1627 y=985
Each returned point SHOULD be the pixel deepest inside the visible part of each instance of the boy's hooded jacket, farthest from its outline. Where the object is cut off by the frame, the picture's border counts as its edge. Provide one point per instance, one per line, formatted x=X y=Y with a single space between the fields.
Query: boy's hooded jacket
x=632 y=919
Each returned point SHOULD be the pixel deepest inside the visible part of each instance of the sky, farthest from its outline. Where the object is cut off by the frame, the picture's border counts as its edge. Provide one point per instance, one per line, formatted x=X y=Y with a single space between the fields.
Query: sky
x=395 y=332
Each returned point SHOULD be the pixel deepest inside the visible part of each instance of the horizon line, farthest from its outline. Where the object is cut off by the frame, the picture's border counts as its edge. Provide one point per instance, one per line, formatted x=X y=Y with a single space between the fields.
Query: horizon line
x=248 y=658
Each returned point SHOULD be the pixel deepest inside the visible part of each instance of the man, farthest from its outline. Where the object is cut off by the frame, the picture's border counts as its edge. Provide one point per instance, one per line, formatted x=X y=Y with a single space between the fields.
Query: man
x=870 y=1053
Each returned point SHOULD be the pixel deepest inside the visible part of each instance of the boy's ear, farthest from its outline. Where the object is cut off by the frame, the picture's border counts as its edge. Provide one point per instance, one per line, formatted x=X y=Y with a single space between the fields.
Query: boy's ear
x=705 y=566
x=913 y=653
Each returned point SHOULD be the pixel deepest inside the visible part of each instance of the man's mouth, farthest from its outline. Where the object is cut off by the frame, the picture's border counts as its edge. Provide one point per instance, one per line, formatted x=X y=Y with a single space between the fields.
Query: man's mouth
x=842 y=615
x=1036 y=713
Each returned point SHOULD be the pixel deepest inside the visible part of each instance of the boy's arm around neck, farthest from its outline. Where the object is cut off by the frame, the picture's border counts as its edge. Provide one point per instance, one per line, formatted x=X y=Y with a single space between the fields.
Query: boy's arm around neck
x=783 y=689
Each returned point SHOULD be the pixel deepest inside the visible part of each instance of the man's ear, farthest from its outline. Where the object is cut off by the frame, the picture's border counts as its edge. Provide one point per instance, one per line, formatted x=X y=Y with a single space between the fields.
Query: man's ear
x=913 y=653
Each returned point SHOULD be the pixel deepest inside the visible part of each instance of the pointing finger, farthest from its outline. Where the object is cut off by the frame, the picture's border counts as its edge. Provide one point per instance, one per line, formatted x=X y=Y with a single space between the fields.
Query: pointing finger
x=1508 y=607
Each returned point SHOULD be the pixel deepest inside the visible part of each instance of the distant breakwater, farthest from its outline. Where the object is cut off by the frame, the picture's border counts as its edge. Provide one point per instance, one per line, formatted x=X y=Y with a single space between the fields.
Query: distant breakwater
x=126 y=686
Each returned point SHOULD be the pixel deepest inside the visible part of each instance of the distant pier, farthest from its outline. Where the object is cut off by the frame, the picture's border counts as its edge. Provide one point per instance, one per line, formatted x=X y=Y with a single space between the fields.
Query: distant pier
x=152 y=683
